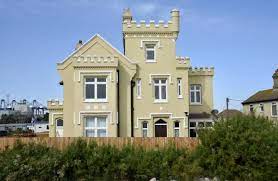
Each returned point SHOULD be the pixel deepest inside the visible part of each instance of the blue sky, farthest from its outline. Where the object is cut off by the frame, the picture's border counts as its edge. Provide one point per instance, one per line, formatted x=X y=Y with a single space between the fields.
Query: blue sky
x=239 y=38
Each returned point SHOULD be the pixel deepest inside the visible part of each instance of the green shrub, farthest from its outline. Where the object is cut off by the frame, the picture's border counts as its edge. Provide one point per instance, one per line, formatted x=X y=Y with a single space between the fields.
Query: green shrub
x=29 y=162
x=82 y=161
x=242 y=148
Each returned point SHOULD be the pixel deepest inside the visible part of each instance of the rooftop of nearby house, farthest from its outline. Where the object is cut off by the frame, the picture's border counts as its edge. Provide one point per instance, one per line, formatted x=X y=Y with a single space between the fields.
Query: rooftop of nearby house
x=265 y=95
x=230 y=113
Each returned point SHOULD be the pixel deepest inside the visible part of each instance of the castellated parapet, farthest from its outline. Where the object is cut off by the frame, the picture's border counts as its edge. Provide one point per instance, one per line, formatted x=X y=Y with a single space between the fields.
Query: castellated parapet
x=55 y=104
x=183 y=62
x=206 y=71
x=132 y=26
x=95 y=61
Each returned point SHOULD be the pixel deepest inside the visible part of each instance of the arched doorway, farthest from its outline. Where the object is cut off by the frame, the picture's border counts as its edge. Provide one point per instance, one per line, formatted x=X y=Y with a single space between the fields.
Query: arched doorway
x=59 y=128
x=160 y=128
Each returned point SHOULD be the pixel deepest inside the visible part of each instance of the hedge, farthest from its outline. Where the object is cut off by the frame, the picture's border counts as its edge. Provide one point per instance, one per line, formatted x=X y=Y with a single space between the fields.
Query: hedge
x=82 y=161
x=243 y=148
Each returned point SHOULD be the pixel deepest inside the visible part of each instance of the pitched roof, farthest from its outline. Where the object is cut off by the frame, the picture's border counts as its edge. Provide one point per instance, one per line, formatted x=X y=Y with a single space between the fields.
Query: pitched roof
x=230 y=113
x=91 y=39
x=263 y=96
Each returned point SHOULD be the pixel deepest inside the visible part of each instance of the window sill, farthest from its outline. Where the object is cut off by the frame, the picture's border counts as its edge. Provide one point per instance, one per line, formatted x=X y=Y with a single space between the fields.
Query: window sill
x=195 y=104
x=150 y=61
x=180 y=97
x=95 y=101
x=160 y=101
x=138 y=97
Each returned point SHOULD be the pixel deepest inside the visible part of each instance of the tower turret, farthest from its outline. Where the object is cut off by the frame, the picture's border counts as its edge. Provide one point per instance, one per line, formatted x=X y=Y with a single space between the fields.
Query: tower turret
x=127 y=17
x=175 y=18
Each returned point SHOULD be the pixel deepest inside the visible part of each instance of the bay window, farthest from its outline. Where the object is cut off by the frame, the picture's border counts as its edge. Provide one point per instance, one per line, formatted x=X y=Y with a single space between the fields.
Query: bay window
x=194 y=125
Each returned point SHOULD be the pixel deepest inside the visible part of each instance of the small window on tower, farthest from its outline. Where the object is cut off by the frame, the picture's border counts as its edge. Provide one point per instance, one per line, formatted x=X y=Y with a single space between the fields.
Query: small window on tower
x=150 y=52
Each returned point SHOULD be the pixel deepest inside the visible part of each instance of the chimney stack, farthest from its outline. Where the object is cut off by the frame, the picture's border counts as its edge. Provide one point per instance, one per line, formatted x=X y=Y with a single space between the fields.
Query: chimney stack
x=127 y=15
x=79 y=44
x=275 y=80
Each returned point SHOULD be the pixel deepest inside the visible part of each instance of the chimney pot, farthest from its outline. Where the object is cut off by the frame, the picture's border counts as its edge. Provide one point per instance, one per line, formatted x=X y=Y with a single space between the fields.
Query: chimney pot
x=79 y=44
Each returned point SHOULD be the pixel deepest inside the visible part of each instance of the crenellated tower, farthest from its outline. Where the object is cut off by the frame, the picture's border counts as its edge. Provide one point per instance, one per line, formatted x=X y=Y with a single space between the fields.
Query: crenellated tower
x=132 y=27
x=162 y=35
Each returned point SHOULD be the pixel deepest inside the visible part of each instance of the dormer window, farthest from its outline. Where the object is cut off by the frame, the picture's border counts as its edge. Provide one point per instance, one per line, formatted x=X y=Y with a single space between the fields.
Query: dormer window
x=150 y=52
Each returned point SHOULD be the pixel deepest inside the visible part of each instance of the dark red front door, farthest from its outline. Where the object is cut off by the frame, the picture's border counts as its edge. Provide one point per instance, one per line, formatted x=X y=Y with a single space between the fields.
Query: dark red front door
x=160 y=128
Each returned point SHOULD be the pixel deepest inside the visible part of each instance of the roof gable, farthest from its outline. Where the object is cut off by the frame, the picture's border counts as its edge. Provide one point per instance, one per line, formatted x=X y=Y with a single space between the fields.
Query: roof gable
x=97 y=45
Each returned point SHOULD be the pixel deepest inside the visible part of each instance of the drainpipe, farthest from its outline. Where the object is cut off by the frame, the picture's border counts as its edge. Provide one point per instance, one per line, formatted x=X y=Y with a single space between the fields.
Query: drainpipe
x=188 y=123
x=118 y=103
x=132 y=83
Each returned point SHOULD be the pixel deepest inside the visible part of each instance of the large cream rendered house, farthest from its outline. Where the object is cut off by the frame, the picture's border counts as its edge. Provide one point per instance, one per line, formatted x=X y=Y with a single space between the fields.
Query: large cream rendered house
x=265 y=102
x=146 y=91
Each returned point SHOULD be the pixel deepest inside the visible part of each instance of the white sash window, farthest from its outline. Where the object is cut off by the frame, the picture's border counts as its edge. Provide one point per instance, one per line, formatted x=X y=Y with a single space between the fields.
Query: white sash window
x=195 y=94
x=96 y=89
x=160 y=90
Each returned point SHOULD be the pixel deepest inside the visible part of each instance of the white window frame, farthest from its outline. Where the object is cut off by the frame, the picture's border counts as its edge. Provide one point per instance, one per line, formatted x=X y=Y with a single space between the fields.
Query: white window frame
x=150 y=49
x=139 y=88
x=179 y=88
x=261 y=107
x=95 y=83
x=251 y=106
x=274 y=103
x=160 y=84
x=145 y=129
x=95 y=128
x=195 y=94
x=196 y=127
x=176 y=128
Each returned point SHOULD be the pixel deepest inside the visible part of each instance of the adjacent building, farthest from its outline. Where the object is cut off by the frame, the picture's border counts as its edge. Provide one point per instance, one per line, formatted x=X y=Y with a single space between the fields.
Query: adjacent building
x=264 y=102
x=146 y=91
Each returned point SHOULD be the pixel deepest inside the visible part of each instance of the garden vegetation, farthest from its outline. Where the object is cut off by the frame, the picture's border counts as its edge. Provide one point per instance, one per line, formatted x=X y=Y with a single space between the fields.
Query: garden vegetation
x=243 y=148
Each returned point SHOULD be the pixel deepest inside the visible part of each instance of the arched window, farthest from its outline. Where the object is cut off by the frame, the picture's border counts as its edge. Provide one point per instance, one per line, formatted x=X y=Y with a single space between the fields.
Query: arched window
x=59 y=123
